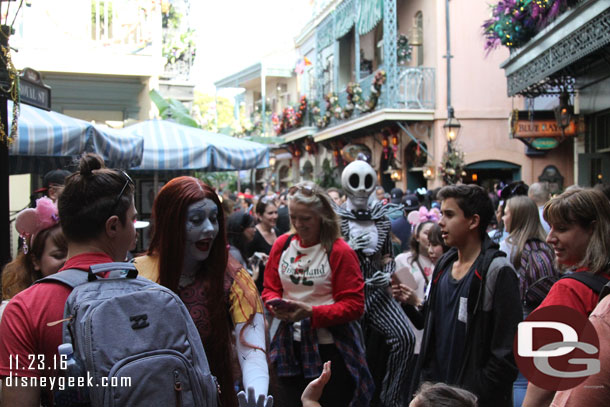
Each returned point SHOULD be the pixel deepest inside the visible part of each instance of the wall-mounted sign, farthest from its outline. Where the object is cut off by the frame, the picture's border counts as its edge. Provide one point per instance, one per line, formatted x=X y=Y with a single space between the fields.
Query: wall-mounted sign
x=33 y=91
x=543 y=128
x=540 y=130
x=545 y=143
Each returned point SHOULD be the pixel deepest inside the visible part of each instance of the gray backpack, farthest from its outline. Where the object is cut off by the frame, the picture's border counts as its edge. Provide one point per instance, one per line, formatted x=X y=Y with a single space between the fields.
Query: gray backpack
x=125 y=327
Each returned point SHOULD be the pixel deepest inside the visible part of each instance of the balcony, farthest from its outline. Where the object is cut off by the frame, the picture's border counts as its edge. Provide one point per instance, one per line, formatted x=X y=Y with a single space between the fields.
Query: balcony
x=415 y=101
x=121 y=37
x=416 y=87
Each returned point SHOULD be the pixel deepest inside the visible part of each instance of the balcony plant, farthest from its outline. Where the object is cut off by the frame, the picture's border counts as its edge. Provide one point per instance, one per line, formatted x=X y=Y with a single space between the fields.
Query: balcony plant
x=378 y=81
x=514 y=22
x=290 y=118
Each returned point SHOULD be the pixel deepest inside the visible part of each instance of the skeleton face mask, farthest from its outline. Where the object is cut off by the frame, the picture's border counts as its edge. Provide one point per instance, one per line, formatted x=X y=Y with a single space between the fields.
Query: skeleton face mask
x=358 y=181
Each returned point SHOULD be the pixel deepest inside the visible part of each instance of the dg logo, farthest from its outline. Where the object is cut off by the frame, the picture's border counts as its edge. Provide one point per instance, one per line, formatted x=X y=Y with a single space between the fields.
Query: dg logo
x=556 y=348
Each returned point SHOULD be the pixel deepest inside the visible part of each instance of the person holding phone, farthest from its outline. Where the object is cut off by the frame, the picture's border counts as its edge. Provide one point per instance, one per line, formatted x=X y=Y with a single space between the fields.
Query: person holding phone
x=314 y=286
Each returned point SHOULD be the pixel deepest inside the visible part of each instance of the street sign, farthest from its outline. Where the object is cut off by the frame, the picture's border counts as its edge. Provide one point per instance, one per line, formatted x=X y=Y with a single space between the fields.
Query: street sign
x=33 y=91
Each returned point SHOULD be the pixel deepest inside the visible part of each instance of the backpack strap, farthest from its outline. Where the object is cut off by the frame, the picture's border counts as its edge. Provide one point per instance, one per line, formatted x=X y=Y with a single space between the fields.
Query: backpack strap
x=70 y=277
x=449 y=257
x=605 y=291
x=287 y=243
x=75 y=277
x=594 y=281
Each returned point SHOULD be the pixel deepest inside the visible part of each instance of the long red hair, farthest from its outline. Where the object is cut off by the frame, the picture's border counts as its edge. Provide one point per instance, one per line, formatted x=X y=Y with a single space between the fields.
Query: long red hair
x=168 y=241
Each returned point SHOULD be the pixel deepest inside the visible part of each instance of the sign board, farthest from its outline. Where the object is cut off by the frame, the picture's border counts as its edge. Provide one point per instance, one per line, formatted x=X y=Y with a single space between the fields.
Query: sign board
x=543 y=129
x=33 y=91
x=545 y=143
x=540 y=130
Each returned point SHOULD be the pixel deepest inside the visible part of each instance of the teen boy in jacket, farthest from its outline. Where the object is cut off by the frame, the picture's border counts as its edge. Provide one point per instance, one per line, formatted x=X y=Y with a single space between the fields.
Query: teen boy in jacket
x=473 y=308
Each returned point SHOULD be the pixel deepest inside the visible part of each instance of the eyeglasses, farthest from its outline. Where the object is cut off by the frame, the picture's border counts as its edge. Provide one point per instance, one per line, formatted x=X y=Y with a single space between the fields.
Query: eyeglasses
x=306 y=190
x=128 y=181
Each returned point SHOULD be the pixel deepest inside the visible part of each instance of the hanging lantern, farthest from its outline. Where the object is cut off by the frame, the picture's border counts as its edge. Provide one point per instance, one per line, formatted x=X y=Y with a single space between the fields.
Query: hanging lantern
x=395 y=139
x=396 y=175
x=384 y=142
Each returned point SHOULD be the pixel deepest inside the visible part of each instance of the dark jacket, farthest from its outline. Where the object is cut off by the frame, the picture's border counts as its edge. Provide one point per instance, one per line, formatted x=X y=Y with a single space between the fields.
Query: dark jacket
x=494 y=310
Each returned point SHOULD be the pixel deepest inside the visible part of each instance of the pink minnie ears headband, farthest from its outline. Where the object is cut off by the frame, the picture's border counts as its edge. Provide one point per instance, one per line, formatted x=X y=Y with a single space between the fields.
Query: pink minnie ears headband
x=32 y=221
x=424 y=215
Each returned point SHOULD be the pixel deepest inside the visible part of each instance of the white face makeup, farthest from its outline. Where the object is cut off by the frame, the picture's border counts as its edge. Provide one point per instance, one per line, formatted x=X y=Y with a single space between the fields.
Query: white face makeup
x=201 y=230
x=358 y=181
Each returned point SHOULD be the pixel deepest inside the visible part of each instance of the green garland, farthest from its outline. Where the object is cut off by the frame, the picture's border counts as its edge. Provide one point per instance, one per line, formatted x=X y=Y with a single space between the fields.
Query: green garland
x=354 y=101
x=321 y=121
x=452 y=166
x=514 y=23
x=403 y=49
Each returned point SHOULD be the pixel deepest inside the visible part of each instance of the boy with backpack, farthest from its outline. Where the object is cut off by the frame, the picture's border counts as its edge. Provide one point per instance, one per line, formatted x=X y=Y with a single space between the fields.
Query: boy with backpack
x=135 y=336
x=473 y=308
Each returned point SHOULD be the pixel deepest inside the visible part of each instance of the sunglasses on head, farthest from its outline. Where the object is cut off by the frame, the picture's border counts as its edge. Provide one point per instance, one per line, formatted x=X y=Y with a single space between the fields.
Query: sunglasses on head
x=306 y=190
x=268 y=199
x=514 y=190
x=128 y=181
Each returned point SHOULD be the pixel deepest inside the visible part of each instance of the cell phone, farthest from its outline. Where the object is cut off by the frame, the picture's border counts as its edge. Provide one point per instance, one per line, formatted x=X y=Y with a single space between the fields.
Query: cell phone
x=281 y=304
x=395 y=279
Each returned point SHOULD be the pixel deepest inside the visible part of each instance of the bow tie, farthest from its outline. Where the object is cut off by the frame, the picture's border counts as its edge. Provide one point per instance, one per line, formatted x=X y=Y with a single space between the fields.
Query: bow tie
x=362 y=214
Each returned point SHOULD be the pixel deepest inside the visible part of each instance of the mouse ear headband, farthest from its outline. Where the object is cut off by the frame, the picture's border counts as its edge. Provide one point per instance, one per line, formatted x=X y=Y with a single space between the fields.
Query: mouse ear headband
x=423 y=215
x=32 y=221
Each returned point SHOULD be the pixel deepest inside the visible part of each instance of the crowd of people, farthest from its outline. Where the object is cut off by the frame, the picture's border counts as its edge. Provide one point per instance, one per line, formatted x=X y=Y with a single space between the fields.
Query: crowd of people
x=344 y=296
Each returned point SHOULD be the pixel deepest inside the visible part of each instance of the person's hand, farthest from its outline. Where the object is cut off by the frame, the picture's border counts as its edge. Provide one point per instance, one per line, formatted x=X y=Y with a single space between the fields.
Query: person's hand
x=313 y=391
x=252 y=401
x=263 y=256
x=360 y=241
x=292 y=311
x=405 y=295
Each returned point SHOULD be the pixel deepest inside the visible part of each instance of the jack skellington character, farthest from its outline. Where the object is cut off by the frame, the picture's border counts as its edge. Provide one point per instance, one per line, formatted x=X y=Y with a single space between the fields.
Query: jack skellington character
x=367 y=231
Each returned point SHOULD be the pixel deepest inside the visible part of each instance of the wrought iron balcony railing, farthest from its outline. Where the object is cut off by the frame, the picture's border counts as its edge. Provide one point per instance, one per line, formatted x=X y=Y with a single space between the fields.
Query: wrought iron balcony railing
x=416 y=92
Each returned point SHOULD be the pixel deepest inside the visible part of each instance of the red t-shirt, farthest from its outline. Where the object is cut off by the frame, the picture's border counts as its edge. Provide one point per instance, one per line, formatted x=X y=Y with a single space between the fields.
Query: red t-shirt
x=26 y=341
x=346 y=281
x=574 y=294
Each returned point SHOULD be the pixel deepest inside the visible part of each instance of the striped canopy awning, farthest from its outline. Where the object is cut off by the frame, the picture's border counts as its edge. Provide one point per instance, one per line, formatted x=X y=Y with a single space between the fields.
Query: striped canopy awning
x=170 y=146
x=49 y=140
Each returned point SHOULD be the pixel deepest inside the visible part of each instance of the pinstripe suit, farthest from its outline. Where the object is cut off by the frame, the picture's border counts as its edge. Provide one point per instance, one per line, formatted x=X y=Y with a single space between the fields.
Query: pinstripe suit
x=382 y=313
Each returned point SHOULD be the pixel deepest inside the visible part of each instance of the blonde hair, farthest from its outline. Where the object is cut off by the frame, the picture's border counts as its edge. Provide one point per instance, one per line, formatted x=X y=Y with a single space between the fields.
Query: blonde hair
x=310 y=194
x=524 y=224
x=590 y=209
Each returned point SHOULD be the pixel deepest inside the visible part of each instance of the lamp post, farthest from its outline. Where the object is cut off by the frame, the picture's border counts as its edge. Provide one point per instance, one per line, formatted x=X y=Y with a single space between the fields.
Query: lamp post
x=452 y=125
x=452 y=128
